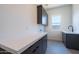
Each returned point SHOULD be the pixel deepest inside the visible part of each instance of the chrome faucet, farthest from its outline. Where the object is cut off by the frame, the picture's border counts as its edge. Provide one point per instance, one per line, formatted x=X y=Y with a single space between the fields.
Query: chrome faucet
x=70 y=27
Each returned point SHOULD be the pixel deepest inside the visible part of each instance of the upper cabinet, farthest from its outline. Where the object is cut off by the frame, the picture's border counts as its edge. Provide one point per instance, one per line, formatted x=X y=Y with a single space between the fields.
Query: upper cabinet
x=42 y=16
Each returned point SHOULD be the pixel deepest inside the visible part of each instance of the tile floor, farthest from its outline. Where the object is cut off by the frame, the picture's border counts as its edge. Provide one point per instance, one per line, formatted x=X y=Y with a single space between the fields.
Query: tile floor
x=57 y=47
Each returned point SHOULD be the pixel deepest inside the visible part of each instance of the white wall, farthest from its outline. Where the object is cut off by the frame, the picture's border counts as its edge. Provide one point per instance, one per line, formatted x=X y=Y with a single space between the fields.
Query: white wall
x=76 y=17
x=66 y=20
x=18 y=18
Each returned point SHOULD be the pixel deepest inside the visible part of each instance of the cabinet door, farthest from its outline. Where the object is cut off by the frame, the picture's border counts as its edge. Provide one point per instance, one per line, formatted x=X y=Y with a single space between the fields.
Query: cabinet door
x=34 y=49
x=38 y=48
x=64 y=38
x=39 y=14
x=44 y=44
x=73 y=41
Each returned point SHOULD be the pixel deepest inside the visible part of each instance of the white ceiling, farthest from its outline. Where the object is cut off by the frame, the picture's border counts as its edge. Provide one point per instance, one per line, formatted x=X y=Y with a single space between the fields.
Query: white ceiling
x=48 y=6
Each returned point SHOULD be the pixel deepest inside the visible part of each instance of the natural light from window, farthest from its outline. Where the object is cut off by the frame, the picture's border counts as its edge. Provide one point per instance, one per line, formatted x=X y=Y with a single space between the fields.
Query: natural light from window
x=56 y=21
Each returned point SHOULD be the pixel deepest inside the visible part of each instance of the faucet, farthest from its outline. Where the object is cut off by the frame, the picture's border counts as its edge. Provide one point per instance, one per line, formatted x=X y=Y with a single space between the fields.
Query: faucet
x=70 y=26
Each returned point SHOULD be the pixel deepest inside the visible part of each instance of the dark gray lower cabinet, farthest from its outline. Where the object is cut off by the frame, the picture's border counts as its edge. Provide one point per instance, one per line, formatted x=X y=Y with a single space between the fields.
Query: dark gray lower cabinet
x=71 y=40
x=38 y=48
x=44 y=44
x=2 y=51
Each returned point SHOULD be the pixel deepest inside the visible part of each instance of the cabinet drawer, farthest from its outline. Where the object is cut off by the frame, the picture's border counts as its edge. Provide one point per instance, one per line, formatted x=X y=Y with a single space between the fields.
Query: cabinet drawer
x=37 y=48
x=34 y=49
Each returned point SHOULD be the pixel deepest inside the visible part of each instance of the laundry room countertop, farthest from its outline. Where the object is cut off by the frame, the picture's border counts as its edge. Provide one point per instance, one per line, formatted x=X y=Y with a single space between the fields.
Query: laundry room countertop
x=18 y=42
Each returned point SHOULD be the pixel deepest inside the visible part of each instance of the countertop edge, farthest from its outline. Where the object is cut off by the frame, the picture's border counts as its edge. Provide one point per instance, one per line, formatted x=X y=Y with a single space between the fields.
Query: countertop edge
x=22 y=49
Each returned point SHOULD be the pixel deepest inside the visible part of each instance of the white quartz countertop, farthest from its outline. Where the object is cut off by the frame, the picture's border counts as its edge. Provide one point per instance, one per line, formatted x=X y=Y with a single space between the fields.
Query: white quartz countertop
x=18 y=42
x=67 y=32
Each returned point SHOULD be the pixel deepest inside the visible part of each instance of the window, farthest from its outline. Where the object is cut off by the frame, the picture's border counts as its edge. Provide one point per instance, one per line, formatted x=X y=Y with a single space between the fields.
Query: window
x=56 y=21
